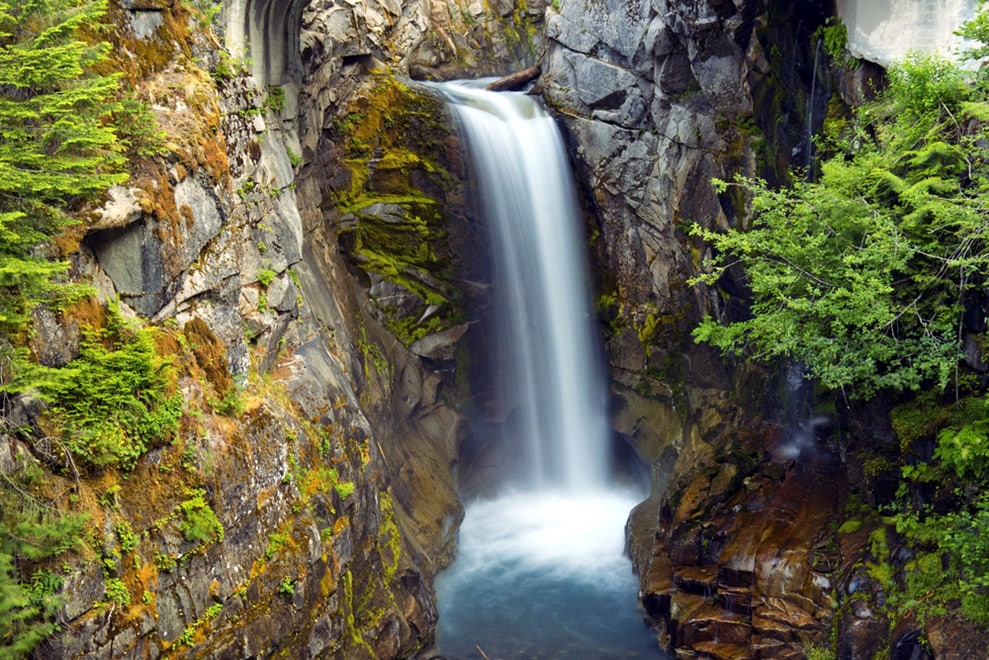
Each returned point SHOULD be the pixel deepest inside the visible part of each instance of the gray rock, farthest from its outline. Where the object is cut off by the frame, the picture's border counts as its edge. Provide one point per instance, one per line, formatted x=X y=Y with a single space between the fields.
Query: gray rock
x=440 y=346
x=205 y=223
x=55 y=344
x=131 y=256
x=120 y=210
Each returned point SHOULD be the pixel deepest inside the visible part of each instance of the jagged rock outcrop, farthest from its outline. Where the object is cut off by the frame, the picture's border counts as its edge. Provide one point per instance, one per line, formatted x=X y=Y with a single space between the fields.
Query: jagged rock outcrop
x=659 y=99
x=307 y=500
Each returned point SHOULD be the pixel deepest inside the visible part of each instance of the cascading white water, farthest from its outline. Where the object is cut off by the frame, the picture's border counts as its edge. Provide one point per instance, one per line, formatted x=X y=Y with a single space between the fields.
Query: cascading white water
x=541 y=570
x=542 y=299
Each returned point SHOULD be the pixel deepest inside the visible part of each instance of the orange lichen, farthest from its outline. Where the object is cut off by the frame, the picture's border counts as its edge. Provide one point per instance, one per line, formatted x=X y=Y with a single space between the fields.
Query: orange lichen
x=210 y=355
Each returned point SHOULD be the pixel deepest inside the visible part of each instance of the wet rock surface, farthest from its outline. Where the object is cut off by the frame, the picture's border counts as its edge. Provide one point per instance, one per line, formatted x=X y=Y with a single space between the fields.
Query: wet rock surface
x=659 y=99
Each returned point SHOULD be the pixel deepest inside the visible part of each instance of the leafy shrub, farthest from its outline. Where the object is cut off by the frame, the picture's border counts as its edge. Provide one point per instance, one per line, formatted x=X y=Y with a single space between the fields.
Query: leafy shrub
x=113 y=402
x=862 y=276
x=126 y=537
x=286 y=588
x=117 y=592
x=199 y=523
x=344 y=489
x=266 y=276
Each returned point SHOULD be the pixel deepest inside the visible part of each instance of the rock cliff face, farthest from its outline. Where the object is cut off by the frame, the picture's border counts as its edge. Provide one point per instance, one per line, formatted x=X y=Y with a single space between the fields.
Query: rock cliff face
x=295 y=245
x=733 y=546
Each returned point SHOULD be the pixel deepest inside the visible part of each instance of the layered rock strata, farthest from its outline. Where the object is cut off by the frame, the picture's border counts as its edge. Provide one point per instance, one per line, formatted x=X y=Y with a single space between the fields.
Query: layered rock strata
x=298 y=258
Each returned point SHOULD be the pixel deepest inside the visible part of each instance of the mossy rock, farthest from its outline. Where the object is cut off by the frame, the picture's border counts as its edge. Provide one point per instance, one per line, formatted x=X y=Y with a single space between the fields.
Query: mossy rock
x=395 y=219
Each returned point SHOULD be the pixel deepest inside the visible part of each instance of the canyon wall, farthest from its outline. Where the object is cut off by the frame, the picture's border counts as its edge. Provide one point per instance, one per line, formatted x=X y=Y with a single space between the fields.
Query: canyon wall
x=307 y=250
x=293 y=242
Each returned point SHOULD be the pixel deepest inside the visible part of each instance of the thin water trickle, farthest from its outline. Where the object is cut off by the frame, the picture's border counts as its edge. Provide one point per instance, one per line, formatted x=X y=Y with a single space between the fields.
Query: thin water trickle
x=541 y=570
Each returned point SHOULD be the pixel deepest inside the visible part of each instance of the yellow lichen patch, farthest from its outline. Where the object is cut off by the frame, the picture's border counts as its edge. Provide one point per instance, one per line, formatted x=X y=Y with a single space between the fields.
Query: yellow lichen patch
x=327 y=583
x=87 y=312
x=67 y=241
x=318 y=480
x=342 y=523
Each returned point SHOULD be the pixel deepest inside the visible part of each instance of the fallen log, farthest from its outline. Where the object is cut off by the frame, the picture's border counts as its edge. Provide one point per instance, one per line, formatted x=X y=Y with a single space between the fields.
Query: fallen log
x=515 y=81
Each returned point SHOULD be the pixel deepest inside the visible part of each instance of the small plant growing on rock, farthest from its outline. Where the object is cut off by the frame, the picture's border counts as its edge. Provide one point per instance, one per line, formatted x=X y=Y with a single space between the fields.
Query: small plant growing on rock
x=117 y=592
x=199 y=523
x=344 y=489
x=287 y=588
x=266 y=276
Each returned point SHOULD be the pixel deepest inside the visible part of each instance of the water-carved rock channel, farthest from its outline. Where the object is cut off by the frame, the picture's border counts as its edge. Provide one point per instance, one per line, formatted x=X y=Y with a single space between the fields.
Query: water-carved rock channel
x=541 y=570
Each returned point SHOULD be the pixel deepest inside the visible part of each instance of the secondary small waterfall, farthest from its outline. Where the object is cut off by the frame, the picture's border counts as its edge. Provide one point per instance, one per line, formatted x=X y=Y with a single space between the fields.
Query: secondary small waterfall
x=541 y=570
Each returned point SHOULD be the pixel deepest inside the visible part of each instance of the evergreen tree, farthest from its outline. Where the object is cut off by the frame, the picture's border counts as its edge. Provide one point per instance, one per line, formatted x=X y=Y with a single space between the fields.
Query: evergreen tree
x=58 y=145
x=58 y=148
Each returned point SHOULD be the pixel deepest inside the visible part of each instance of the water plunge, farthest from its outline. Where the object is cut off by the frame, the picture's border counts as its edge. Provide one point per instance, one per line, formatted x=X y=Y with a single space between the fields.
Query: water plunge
x=541 y=570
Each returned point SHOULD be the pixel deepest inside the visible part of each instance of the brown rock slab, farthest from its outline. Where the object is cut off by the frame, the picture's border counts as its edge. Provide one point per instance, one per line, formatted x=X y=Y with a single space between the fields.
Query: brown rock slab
x=719 y=651
x=701 y=580
x=711 y=623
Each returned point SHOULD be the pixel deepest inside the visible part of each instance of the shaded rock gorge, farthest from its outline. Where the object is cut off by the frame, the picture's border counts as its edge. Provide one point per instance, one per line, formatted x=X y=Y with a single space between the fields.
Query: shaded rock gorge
x=547 y=532
x=303 y=259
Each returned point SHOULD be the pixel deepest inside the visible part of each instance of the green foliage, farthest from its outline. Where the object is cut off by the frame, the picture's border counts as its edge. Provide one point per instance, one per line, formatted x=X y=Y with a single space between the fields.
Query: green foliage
x=266 y=276
x=117 y=592
x=862 y=276
x=834 y=37
x=109 y=498
x=188 y=636
x=819 y=653
x=286 y=588
x=232 y=404
x=953 y=559
x=923 y=84
x=60 y=140
x=125 y=536
x=32 y=531
x=275 y=99
x=850 y=526
x=20 y=627
x=948 y=533
x=199 y=523
x=112 y=403
x=275 y=542
x=165 y=562
x=963 y=447
x=344 y=489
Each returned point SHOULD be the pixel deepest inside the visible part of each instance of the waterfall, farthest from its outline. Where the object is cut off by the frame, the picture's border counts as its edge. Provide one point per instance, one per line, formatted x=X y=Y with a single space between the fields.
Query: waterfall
x=541 y=567
x=542 y=298
x=809 y=165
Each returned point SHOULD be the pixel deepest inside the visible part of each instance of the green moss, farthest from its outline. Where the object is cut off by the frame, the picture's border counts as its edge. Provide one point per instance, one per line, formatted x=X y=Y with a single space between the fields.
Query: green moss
x=922 y=417
x=850 y=526
x=344 y=489
x=275 y=542
x=393 y=200
x=389 y=538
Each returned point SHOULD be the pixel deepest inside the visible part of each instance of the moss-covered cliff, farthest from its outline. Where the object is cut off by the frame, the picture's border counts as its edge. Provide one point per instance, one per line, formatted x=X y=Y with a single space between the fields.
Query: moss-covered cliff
x=281 y=318
x=282 y=269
